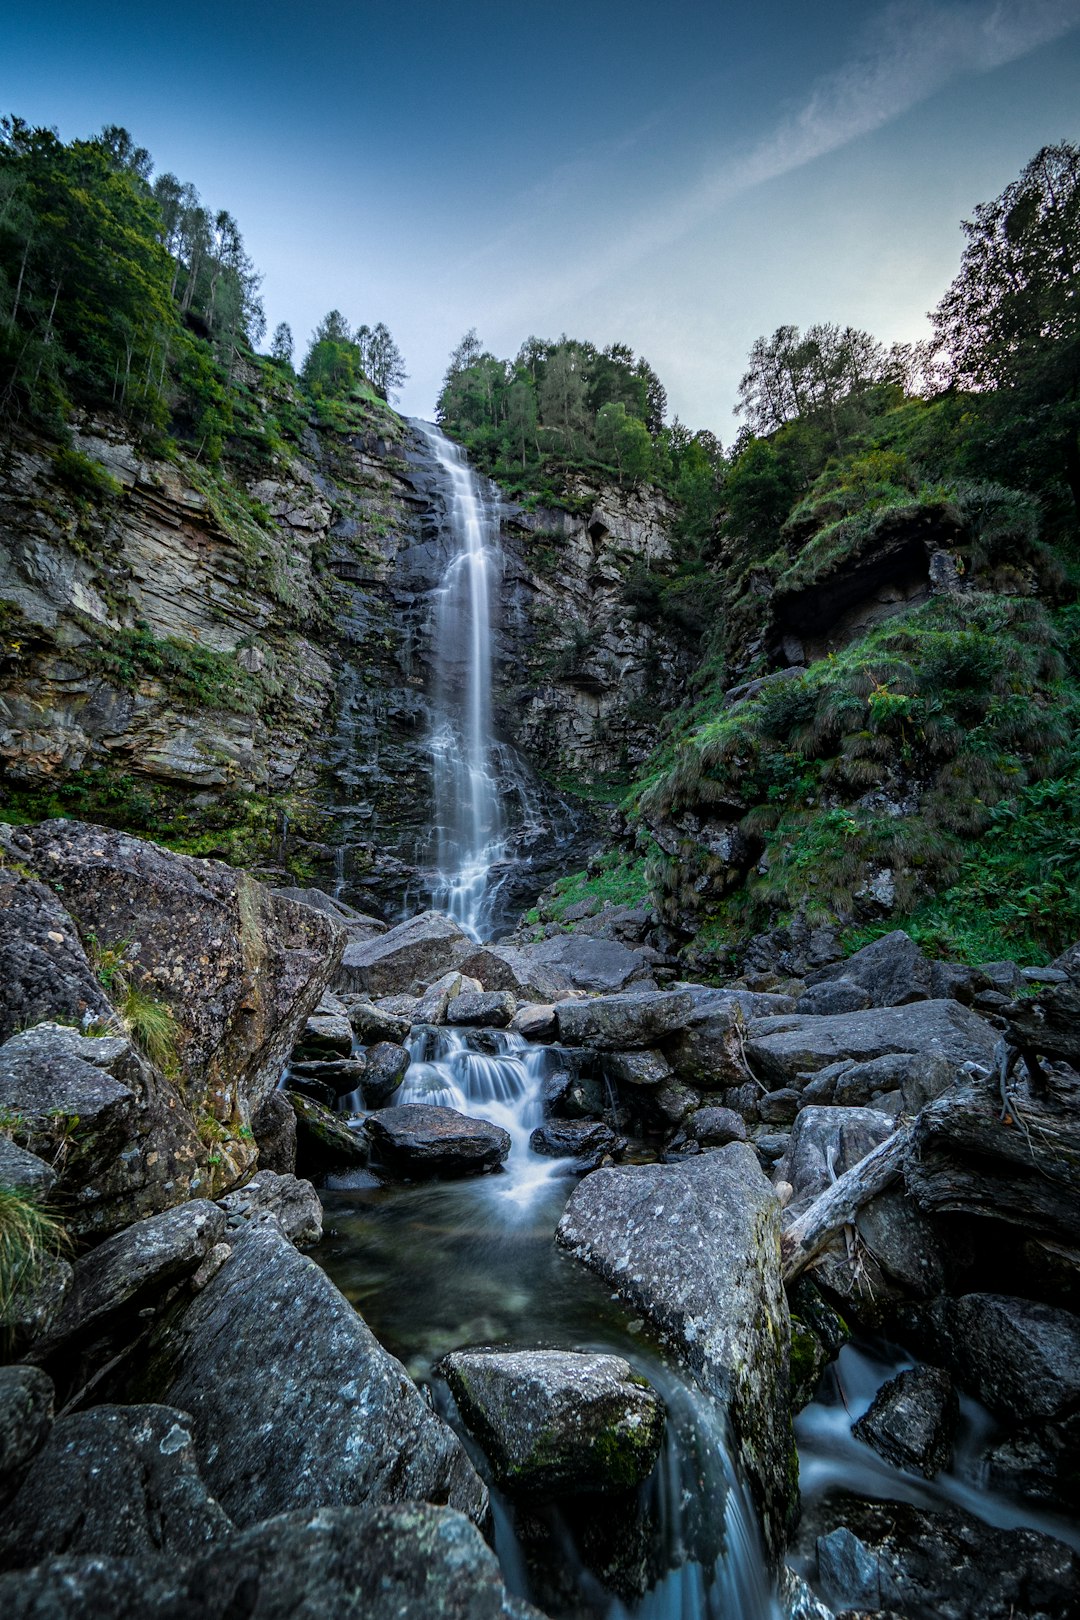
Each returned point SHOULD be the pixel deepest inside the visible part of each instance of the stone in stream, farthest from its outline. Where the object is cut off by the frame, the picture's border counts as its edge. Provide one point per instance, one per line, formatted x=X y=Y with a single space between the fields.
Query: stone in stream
x=584 y=1140
x=325 y=1035
x=535 y=1022
x=26 y=1415
x=490 y=1009
x=293 y=1203
x=295 y=1404
x=695 y=1246
x=323 y=1138
x=715 y=1127
x=373 y=1024
x=339 y=1075
x=912 y=1419
x=1020 y=1358
x=386 y=1065
x=621 y=1022
x=416 y=951
x=115 y=1480
x=558 y=1421
x=875 y=1557
x=274 y=1127
x=417 y=1139
x=646 y=1068
x=401 y=1562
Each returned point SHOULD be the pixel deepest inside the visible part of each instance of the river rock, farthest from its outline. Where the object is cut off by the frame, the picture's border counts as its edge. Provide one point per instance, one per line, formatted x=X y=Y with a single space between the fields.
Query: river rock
x=415 y=952
x=239 y=967
x=136 y=1265
x=490 y=1009
x=273 y=1126
x=586 y=1140
x=707 y=1048
x=1021 y=1358
x=416 y=1139
x=317 y=1090
x=781 y=1050
x=115 y=1480
x=323 y=1139
x=26 y=1415
x=622 y=1022
x=535 y=1022
x=912 y=1420
x=649 y=1068
x=911 y=1562
x=715 y=1127
x=695 y=1246
x=904 y=1242
x=24 y=1171
x=293 y=1203
x=339 y=1076
x=295 y=1403
x=372 y=1024
x=556 y=1421
x=325 y=1034
x=1040 y=1461
x=432 y=1006
x=891 y=970
x=386 y=1067
x=823 y=1000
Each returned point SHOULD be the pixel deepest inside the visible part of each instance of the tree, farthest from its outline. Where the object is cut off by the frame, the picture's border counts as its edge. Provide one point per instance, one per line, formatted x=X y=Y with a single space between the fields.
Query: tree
x=382 y=360
x=793 y=374
x=1010 y=321
x=281 y=344
x=562 y=393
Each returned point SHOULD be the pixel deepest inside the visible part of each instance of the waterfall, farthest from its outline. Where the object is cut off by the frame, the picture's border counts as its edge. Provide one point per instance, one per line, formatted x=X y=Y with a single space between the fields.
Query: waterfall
x=470 y=843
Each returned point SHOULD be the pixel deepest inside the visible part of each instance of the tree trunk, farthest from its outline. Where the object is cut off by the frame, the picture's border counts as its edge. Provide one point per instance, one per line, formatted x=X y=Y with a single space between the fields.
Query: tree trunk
x=838 y=1205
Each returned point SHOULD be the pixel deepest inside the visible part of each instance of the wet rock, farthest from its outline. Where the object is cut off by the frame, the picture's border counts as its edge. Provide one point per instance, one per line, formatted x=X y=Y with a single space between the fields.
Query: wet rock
x=1022 y=1359
x=416 y=951
x=695 y=1246
x=1040 y=1461
x=311 y=1086
x=781 y=1050
x=535 y=1022
x=116 y=1480
x=912 y=1420
x=707 y=1049
x=324 y=1139
x=338 y=1076
x=583 y=1139
x=823 y=1000
x=91 y=1587
x=491 y=1009
x=135 y=1265
x=797 y=1601
x=911 y=1562
x=295 y=1403
x=434 y=1002
x=373 y=1024
x=386 y=1068
x=556 y=1421
x=273 y=1126
x=623 y=1022
x=818 y=1333
x=637 y=1068
x=903 y=1242
x=716 y=1127
x=239 y=968
x=293 y=1203
x=325 y=1034
x=24 y=1171
x=824 y=1143
x=26 y=1415
x=415 y=1139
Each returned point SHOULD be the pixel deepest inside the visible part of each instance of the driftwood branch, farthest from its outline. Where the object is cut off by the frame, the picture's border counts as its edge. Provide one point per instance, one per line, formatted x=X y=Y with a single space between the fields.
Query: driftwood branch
x=838 y=1205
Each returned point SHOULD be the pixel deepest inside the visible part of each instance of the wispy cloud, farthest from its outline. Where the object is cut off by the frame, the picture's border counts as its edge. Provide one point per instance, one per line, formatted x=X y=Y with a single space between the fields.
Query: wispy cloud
x=909 y=51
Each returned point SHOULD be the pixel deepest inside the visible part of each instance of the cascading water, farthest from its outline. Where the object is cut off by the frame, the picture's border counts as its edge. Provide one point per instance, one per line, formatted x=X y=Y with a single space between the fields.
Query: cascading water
x=469 y=826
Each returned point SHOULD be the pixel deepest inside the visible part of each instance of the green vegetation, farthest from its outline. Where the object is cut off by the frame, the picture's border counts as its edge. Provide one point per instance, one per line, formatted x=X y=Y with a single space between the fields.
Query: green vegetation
x=29 y=1238
x=191 y=673
x=615 y=879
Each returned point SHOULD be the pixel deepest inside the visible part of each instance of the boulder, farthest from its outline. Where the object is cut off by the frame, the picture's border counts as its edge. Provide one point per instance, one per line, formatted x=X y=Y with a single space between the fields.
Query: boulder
x=114 y=1480
x=44 y=971
x=273 y=1126
x=134 y=1266
x=557 y=1421
x=535 y=1022
x=1049 y=1022
x=295 y=1404
x=583 y=1139
x=1020 y=1358
x=619 y=1023
x=490 y=1009
x=239 y=967
x=824 y=1143
x=1041 y=1461
x=912 y=1420
x=339 y=1076
x=324 y=1139
x=372 y=1024
x=858 y=1085
x=325 y=1035
x=647 y=1068
x=417 y=1139
x=415 y=952
x=311 y=1086
x=840 y=996
x=28 y=1314
x=707 y=1048
x=695 y=1246
x=781 y=1050
x=891 y=970
x=24 y=1171
x=91 y=1587
x=386 y=1067
x=907 y=1561
x=779 y=1107
x=26 y=1415
x=357 y=924
x=294 y=1204
x=715 y=1127
x=903 y=1242
x=432 y=1006
x=548 y=969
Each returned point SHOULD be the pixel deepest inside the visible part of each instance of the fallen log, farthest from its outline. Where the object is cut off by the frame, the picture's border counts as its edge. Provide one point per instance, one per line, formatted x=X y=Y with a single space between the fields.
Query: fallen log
x=838 y=1205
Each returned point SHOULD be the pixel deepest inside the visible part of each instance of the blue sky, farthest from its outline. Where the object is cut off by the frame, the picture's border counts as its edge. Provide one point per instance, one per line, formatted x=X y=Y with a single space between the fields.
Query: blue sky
x=681 y=177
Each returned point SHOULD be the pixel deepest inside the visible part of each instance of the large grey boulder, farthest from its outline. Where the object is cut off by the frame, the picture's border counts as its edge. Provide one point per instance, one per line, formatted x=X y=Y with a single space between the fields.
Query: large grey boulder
x=781 y=1050
x=373 y=1024
x=889 y=1557
x=44 y=971
x=136 y=1264
x=912 y=1419
x=413 y=953
x=116 y=1480
x=417 y=1139
x=483 y=1009
x=402 y=1562
x=358 y=925
x=26 y=1415
x=556 y=1421
x=295 y=1403
x=293 y=1203
x=550 y=968
x=891 y=970
x=707 y=1049
x=1021 y=1358
x=619 y=1023
x=323 y=1139
x=695 y=1246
